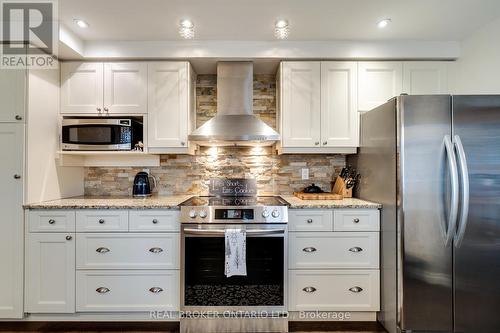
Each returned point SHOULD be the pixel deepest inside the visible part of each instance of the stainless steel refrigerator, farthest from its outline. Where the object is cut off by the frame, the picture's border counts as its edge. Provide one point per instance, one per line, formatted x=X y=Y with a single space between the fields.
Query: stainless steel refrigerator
x=434 y=164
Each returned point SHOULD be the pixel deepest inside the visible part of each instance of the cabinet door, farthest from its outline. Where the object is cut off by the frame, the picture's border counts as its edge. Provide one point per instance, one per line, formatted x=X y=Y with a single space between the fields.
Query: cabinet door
x=339 y=110
x=378 y=82
x=11 y=222
x=125 y=87
x=81 y=87
x=425 y=77
x=301 y=114
x=168 y=104
x=12 y=95
x=50 y=273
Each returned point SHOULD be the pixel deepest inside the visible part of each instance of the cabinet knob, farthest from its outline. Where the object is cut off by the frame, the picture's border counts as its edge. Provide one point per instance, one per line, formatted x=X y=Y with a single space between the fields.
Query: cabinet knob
x=18 y=117
x=16 y=176
x=69 y=237
x=155 y=250
x=98 y=109
x=106 y=109
x=309 y=249
x=356 y=289
x=155 y=221
x=355 y=249
x=309 y=220
x=101 y=221
x=156 y=290
x=356 y=220
x=102 y=290
x=103 y=250
x=52 y=221
x=183 y=143
x=317 y=143
x=309 y=289
x=325 y=143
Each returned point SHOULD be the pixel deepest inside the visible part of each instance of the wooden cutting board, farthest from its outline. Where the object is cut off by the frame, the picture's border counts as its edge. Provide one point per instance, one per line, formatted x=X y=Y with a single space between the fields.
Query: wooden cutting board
x=318 y=196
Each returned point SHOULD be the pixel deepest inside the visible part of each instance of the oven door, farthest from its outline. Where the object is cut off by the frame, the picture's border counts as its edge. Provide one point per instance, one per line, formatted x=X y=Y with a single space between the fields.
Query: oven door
x=97 y=134
x=204 y=285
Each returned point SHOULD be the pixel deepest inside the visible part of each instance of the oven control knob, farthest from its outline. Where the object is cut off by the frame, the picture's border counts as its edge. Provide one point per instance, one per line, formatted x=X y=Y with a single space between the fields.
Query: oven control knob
x=203 y=214
x=192 y=213
x=265 y=213
x=276 y=213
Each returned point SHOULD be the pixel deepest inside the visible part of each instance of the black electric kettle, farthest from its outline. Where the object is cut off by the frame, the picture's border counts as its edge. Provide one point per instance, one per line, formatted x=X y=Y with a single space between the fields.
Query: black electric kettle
x=142 y=185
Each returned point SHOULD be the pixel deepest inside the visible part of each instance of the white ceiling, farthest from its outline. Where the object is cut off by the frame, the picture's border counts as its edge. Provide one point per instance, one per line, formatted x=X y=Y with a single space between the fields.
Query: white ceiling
x=253 y=20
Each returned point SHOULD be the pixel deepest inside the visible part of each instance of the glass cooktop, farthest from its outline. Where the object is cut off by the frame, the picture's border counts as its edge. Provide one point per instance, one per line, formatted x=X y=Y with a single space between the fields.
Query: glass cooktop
x=235 y=201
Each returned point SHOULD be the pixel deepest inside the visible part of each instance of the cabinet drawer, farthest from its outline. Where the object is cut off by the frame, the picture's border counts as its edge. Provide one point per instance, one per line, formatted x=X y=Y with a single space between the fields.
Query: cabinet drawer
x=117 y=291
x=101 y=220
x=51 y=221
x=154 y=220
x=356 y=220
x=127 y=251
x=310 y=220
x=334 y=290
x=333 y=250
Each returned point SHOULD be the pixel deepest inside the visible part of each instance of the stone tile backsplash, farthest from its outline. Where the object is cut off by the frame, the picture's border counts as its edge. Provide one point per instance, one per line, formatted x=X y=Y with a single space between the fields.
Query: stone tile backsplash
x=185 y=174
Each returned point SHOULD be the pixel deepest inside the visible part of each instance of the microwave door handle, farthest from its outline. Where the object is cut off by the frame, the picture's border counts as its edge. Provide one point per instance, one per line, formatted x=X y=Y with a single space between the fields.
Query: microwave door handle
x=219 y=232
x=464 y=171
x=453 y=212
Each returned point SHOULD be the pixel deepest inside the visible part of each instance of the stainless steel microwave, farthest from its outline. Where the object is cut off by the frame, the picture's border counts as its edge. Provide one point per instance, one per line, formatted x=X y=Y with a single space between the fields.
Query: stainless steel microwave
x=100 y=133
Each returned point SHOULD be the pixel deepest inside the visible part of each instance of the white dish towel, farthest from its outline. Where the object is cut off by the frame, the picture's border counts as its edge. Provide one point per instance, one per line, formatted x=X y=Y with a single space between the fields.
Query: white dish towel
x=236 y=252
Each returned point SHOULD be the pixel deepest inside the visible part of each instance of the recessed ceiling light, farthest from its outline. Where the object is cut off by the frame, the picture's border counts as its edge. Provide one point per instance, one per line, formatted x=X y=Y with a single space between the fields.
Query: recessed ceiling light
x=281 y=29
x=186 y=29
x=81 y=23
x=383 y=23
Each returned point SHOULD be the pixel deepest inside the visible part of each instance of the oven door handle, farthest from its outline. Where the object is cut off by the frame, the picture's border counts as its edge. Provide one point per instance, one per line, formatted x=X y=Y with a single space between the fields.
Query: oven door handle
x=252 y=232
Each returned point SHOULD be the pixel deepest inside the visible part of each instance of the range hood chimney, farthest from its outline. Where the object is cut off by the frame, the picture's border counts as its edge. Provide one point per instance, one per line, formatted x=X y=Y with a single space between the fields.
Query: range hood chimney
x=235 y=124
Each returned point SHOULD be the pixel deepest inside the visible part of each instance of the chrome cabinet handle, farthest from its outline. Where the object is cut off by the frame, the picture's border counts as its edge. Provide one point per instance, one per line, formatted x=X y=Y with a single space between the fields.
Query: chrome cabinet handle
x=18 y=117
x=101 y=221
x=155 y=250
x=309 y=220
x=355 y=249
x=309 y=249
x=106 y=109
x=16 y=176
x=102 y=290
x=155 y=221
x=183 y=143
x=103 y=250
x=452 y=166
x=98 y=109
x=156 y=290
x=52 y=221
x=317 y=143
x=309 y=289
x=464 y=171
x=69 y=238
x=356 y=289
x=325 y=143
x=356 y=220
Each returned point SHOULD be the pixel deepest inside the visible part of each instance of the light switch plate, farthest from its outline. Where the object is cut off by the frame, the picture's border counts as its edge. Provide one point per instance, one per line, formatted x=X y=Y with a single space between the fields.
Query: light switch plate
x=305 y=174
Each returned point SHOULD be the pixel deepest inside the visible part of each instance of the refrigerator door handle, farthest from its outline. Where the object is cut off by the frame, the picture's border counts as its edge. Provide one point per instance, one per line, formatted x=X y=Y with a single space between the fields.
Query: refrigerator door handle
x=464 y=171
x=453 y=213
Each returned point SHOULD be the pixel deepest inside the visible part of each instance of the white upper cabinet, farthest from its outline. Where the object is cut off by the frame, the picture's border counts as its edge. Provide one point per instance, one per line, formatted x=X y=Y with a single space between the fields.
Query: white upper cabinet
x=125 y=87
x=104 y=88
x=12 y=91
x=169 y=105
x=82 y=87
x=339 y=111
x=378 y=82
x=300 y=104
x=425 y=77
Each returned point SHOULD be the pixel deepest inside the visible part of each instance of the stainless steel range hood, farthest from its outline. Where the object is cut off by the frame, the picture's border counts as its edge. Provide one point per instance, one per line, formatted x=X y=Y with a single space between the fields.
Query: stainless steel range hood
x=235 y=124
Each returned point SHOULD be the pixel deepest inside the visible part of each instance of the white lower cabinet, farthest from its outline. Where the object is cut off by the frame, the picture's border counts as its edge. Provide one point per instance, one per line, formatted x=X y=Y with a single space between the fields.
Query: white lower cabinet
x=334 y=290
x=123 y=291
x=50 y=273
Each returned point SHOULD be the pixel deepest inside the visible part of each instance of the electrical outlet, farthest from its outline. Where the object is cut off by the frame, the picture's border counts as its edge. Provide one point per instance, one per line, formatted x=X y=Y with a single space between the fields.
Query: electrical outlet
x=305 y=174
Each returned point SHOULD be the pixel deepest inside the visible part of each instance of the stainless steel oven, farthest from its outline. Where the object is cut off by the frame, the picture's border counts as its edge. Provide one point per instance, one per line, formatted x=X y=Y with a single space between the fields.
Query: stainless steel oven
x=204 y=287
x=100 y=133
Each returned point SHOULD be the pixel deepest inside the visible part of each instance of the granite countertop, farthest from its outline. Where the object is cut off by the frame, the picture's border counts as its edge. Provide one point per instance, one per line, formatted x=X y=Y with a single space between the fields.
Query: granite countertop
x=86 y=202
x=172 y=202
x=328 y=204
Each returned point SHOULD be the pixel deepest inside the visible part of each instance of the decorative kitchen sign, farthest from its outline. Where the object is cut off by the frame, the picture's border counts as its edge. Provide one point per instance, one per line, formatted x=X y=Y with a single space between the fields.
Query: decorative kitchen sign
x=222 y=187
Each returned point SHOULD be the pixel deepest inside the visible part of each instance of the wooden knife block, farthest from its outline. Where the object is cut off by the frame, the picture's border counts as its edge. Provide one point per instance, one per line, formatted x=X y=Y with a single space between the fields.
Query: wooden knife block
x=339 y=187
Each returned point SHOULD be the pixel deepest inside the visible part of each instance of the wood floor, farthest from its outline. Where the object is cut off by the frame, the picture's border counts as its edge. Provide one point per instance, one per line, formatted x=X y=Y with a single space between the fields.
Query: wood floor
x=173 y=327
